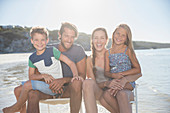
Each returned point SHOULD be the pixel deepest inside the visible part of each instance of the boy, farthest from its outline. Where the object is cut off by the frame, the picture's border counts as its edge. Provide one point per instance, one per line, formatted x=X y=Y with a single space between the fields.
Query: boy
x=46 y=60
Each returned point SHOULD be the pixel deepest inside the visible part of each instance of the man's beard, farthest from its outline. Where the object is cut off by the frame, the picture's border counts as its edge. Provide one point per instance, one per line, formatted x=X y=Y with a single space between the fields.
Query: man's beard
x=64 y=45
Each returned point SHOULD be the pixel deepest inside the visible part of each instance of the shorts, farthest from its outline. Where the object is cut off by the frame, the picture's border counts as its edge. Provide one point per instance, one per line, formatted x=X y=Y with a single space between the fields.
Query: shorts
x=44 y=87
x=133 y=84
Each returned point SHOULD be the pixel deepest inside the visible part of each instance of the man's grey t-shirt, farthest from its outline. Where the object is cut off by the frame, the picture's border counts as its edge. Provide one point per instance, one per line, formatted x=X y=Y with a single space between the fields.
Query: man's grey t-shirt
x=76 y=53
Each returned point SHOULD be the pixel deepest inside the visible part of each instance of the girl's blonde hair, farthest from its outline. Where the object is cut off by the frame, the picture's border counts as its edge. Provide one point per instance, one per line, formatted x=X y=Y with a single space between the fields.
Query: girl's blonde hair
x=93 y=48
x=128 y=42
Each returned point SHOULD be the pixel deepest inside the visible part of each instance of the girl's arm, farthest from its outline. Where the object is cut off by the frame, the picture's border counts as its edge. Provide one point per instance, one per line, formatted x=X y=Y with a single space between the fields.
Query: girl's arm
x=136 y=69
x=107 y=68
x=70 y=63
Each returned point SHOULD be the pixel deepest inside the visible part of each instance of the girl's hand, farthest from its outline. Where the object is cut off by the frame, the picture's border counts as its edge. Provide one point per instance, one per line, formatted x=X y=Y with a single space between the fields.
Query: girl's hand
x=117 y=75
x=77 y=78
x=48 y=78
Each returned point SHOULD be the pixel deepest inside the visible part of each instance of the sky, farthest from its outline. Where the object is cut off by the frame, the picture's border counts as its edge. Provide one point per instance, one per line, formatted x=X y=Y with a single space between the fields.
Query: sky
x=149 y=20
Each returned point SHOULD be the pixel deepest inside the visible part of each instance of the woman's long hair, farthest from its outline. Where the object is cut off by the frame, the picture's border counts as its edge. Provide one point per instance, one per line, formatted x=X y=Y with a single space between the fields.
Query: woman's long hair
x=93 y=48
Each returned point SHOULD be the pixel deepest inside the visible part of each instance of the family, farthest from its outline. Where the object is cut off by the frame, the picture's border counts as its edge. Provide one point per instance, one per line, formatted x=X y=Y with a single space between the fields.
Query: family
x=65 y=71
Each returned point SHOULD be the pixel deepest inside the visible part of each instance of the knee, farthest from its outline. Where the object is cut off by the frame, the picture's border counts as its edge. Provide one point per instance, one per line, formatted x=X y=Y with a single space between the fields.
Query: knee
x=17 y=90
x=121 y=94
x=27 y=85
x=76 y=86
x=87 y=85
x=33 y=95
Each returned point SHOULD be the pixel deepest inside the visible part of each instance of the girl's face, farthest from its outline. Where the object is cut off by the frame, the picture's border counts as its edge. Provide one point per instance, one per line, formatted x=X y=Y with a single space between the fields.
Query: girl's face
x=120 y=36
x=99 y=40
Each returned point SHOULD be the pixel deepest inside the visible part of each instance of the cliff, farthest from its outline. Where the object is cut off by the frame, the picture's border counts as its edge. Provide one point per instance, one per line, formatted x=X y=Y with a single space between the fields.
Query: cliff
x=16 y=39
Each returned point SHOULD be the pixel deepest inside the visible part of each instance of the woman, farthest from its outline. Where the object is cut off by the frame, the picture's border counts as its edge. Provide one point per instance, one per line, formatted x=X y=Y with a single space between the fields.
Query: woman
x=93 y=88
x=96 y=87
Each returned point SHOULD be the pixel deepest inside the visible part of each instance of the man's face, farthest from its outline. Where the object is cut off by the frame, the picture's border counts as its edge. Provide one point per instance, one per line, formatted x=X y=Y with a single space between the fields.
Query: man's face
x=67 y=38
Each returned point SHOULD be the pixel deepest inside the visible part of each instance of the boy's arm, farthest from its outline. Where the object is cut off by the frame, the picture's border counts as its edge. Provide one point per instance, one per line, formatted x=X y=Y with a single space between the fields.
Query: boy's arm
x=35 y=75
x=70 y=63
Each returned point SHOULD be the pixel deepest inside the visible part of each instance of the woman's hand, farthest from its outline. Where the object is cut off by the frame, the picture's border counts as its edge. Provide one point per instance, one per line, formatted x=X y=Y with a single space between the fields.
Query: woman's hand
x=115 y=83
x=123 y=81
x=48 y=78
x=77 y=78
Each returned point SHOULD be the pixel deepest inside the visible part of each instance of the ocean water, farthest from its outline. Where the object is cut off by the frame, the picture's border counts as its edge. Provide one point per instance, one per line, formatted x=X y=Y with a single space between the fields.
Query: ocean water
x=153 y=89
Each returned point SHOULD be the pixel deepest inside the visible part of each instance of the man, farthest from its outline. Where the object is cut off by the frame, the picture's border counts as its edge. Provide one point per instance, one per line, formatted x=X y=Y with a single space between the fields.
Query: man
x=73 y=90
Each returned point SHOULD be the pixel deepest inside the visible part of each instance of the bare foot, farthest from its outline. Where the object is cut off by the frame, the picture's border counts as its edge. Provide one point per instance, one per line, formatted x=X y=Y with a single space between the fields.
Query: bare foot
x=9 y=110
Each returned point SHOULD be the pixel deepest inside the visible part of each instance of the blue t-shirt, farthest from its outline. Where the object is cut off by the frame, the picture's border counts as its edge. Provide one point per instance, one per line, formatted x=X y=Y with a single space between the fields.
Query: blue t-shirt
x=47 y=63
x=76 y=53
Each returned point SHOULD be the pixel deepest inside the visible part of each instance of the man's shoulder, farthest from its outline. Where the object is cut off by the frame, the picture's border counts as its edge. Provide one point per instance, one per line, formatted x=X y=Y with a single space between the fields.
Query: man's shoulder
x=77 y=47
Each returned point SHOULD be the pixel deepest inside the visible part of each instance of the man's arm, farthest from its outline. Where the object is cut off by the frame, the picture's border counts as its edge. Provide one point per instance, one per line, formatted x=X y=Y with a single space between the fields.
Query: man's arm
x=81 y=67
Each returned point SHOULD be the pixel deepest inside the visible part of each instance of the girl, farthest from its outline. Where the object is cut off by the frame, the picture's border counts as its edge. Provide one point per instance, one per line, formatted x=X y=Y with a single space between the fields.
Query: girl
x=121 y=61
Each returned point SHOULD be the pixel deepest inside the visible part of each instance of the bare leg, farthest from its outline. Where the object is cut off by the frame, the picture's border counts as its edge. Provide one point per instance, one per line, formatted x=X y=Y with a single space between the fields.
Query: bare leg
x=112 y=101
x=91 y=93
x=17 y=92
x=21 y=100
x=123 y=98
x=74 y=91
x=34 y=97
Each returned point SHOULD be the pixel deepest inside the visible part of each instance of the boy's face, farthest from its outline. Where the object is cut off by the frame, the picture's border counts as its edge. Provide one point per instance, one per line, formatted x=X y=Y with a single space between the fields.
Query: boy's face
x=67 y=38
x=39 y=41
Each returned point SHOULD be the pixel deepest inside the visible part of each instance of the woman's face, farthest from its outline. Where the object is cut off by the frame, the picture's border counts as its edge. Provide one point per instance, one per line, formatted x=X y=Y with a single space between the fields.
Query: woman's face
x=120 y=36
x=99 y=40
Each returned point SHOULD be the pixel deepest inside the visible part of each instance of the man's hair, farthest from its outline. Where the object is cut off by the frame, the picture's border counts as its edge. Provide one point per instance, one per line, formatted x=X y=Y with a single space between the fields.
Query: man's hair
x=40 y=30
x=70 y=26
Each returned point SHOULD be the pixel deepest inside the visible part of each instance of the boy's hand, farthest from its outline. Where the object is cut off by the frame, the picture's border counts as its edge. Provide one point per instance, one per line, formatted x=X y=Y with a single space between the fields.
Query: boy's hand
x=48 y=78
x=77 y=78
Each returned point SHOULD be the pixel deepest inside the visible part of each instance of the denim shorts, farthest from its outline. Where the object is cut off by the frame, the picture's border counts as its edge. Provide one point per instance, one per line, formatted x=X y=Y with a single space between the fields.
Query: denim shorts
x=133 y=84
x=43 y=87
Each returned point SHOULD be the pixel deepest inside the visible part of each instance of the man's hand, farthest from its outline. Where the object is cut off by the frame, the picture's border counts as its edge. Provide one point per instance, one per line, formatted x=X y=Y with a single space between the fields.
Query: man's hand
x=56 y=85
x=77 y=78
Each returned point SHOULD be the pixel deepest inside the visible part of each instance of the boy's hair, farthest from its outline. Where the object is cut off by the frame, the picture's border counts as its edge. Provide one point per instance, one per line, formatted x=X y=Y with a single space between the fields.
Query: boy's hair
x=40 y=30
x=70 y=26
